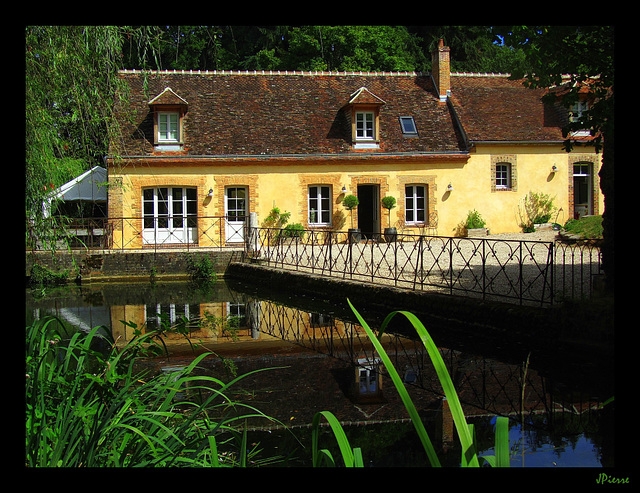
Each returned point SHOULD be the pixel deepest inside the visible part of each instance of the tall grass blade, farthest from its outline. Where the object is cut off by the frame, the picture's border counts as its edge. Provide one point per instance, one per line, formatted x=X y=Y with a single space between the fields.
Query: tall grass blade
x=402 y=391
x=341 y=439
x=462 y=428
x=213 y=449
x=502 y=442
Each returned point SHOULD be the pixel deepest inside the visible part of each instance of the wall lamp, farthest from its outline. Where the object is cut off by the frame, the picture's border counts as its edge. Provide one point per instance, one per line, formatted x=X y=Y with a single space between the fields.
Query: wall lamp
x=344 y=189
x=211 y=192
x=450 y=188
x=554 y=168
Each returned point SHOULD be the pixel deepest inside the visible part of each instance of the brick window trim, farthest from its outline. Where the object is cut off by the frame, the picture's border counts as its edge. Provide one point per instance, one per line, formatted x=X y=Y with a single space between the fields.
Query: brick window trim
x=250 y=182
x=307 y=180
x=595 y=161
x=510 y=159
x=429 y=181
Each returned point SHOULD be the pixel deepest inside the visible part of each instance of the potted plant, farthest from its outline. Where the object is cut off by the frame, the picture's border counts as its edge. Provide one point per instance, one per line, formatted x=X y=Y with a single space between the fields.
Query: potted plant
x=390 y=233
x=475 y=225
x=350 y=202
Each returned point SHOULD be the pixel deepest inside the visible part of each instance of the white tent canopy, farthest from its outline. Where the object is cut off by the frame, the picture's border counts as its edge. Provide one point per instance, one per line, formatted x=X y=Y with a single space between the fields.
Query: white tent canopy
x=88 y=187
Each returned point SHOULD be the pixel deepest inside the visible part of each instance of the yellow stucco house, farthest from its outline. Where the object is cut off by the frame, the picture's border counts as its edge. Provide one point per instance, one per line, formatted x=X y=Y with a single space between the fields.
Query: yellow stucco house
x=199 y=151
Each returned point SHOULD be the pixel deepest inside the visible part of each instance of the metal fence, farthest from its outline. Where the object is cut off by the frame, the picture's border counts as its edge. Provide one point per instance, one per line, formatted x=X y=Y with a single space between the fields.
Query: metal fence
x=527 y=272
x=126 y=233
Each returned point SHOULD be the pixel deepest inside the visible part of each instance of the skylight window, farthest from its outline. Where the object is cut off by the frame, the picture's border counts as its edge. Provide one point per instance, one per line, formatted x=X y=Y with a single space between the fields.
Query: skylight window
x=408 y=125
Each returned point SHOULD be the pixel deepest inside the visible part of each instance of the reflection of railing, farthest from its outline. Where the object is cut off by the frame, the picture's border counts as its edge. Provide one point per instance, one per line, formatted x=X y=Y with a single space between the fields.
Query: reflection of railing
x=484 y=384
x=488 y=268
x=121 y=233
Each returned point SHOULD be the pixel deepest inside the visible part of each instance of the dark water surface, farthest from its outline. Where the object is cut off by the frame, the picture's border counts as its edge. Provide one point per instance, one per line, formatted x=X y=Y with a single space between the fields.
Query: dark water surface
x=320 y=360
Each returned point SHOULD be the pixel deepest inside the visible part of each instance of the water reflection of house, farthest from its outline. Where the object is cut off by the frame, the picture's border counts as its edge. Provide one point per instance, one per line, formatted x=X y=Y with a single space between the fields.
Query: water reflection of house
x=207 y=322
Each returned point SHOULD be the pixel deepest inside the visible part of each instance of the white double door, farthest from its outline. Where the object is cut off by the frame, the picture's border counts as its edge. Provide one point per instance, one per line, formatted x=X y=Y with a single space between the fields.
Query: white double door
x=169 y=215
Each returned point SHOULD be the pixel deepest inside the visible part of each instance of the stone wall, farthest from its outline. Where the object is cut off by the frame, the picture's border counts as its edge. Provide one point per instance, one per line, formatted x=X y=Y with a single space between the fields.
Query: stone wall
x=87 y=266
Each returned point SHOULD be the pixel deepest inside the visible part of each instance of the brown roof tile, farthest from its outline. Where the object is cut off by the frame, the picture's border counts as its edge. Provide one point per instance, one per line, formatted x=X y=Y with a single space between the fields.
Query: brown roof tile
x=267 y=114
x=250 y=114
x=496 y=108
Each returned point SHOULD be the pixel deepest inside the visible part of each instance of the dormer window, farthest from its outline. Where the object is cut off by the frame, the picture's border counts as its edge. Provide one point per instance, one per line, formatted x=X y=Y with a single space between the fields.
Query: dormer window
x=365 y=118
x=169 y=127
x=365 y=125
x=169 y=110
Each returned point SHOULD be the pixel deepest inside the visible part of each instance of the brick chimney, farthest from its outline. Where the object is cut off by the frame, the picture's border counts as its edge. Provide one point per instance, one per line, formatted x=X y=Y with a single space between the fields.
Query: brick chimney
x=441 y=70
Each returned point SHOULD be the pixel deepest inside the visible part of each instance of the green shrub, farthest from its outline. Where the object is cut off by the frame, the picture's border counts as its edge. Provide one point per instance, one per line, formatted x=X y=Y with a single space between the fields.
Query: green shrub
x=202 y=268
x=535 y=208
x=276 y=219
x=474 y=220
x=589 y=227
x=350 y=202
x=389 y=203
x=42 y=276
x=295 y=230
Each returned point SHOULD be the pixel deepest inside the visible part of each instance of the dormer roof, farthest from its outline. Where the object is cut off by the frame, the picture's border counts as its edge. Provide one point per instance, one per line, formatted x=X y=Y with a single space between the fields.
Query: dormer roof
x=365 y=97
x=168 y=98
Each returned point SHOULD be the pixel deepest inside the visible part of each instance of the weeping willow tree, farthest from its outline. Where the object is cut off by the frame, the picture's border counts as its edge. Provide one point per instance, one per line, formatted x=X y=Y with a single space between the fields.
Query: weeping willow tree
x=70 y=86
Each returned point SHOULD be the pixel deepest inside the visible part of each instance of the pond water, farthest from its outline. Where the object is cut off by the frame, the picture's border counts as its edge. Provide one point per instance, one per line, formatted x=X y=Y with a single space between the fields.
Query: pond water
x=318 y=359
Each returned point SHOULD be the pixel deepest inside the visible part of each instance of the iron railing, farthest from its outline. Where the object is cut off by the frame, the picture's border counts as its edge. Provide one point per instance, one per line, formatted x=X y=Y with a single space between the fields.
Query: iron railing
x=523 y=271
x=529 y=272
x=126 y=233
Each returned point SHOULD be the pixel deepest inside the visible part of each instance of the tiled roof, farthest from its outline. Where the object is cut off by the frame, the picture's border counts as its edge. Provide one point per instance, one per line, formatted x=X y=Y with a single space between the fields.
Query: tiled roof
x=247 y=113
x=308 y=113
x=495 y=108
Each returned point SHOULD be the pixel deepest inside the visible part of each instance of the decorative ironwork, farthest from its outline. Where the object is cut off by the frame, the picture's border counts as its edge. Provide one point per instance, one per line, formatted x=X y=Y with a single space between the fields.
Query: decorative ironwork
x=523 y=271
x=528 y=272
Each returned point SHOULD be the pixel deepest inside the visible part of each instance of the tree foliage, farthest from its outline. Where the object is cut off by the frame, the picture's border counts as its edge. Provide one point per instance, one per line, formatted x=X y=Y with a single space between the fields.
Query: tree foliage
x=580 y=58
x=70 y=85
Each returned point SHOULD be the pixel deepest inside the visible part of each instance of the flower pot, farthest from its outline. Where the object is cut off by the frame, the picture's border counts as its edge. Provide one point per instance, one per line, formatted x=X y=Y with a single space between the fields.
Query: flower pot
x=390 y=234
x=476 y=232
x=354 y=235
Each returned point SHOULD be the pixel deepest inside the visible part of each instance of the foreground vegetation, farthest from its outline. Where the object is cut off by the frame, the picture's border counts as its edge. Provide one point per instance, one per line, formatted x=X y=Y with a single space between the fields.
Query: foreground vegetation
x=88 y=406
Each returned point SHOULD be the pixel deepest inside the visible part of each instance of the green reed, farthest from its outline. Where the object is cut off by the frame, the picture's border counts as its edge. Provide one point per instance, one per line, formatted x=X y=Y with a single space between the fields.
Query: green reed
x=87 y=409
x=464 y=430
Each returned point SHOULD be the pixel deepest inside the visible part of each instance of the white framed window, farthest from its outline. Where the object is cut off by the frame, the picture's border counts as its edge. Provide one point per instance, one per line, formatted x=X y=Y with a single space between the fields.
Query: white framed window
x=415 y=204
x=168 y=127
x=575 y=113
x=169 y=215
x=503 y=176
x=319 y=205
x=365 y=125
